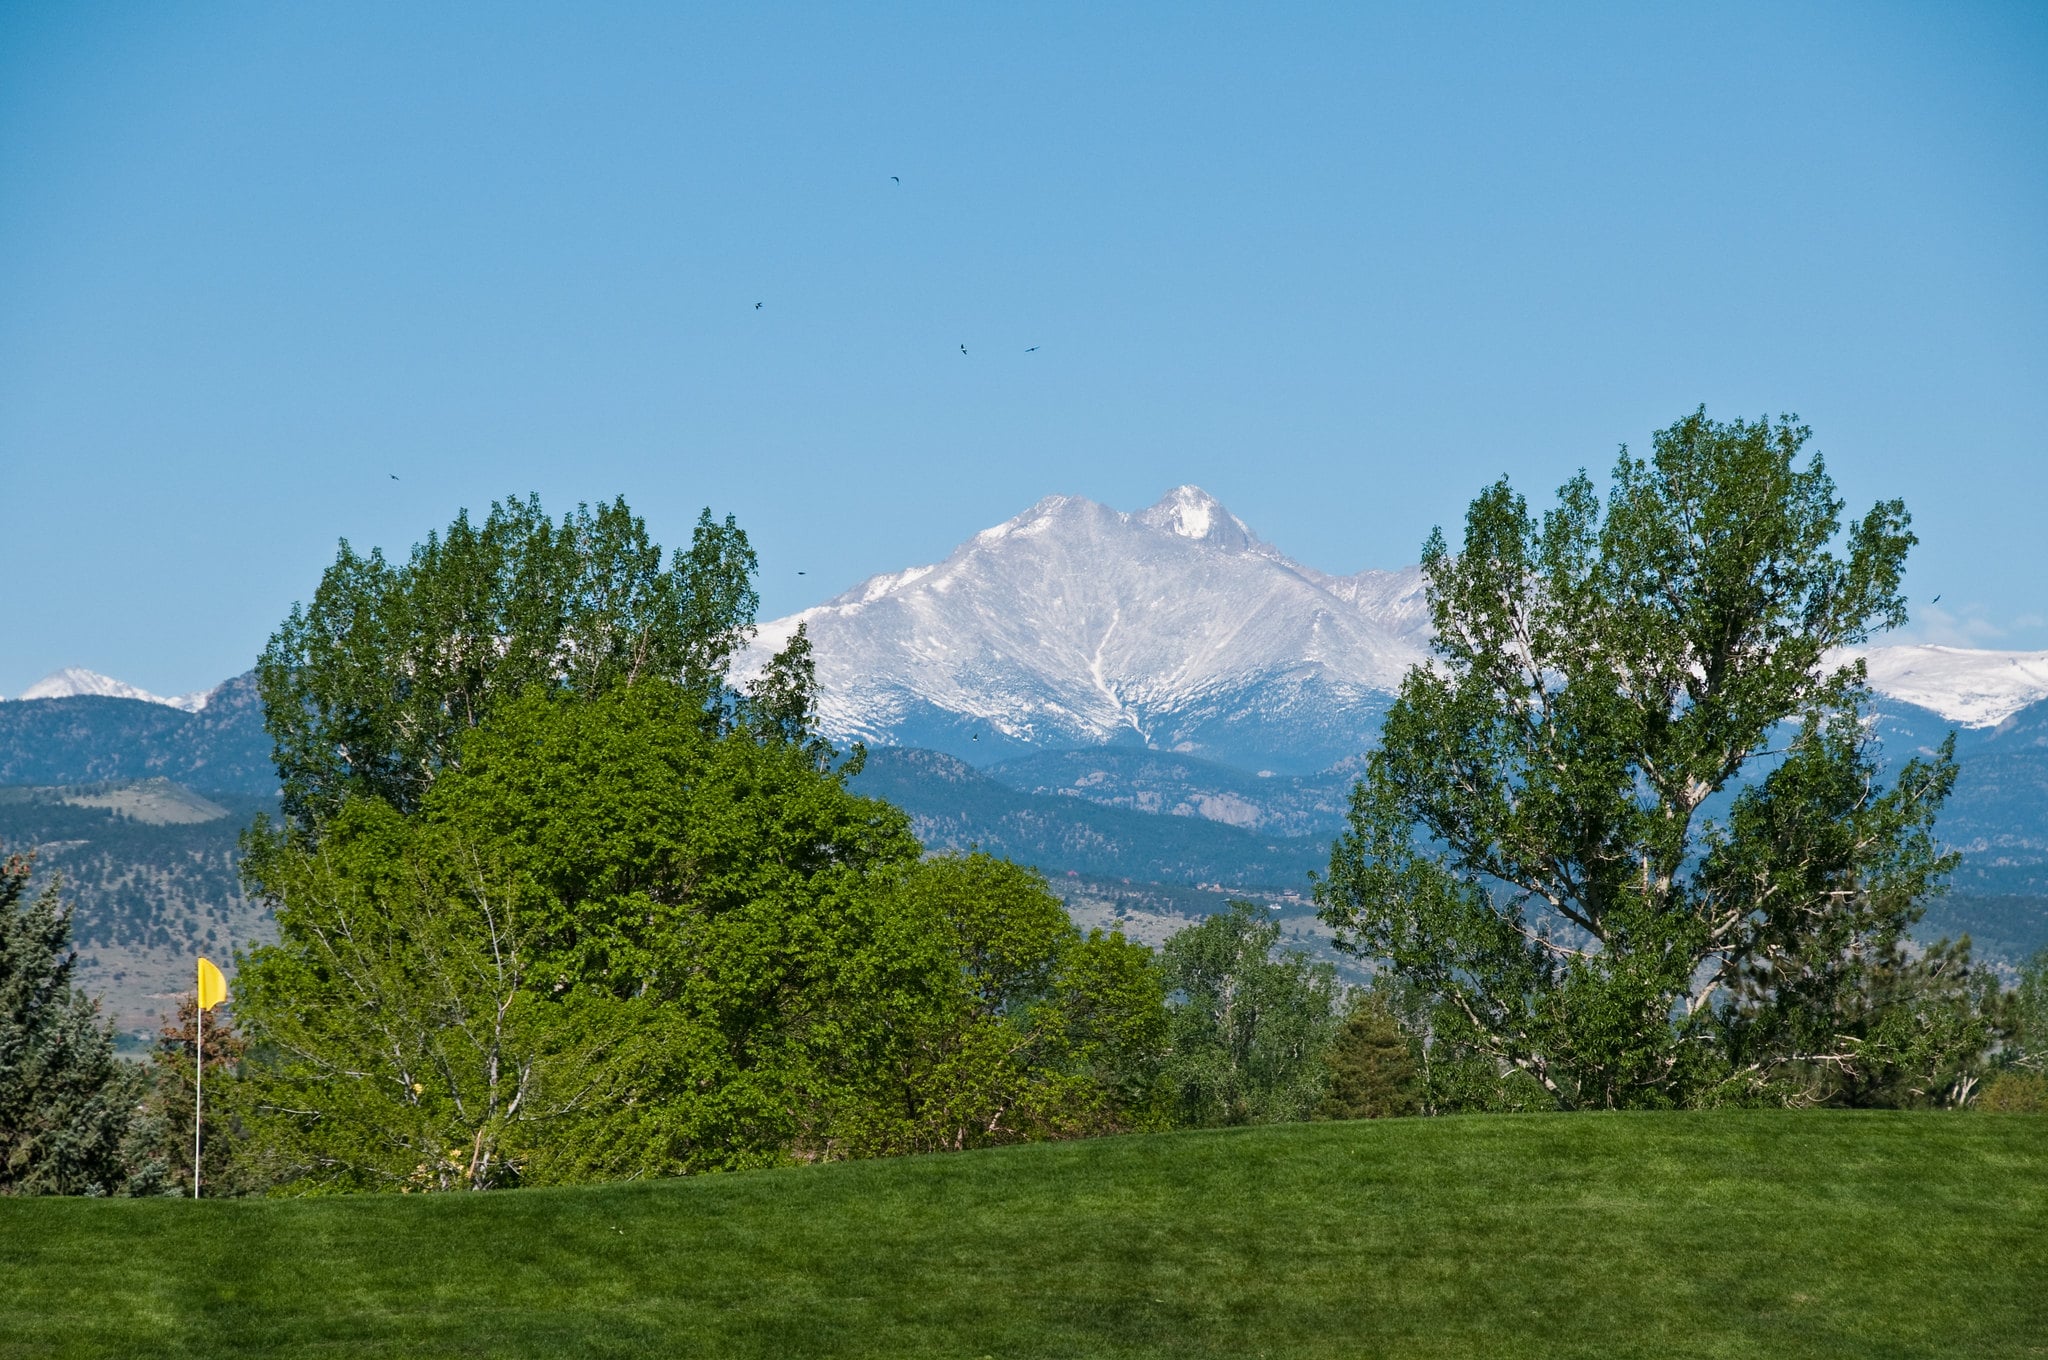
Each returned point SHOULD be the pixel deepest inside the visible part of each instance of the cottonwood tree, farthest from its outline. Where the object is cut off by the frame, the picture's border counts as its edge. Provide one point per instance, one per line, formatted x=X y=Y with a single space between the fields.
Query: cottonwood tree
x=1531 y=844
x=367 y=688
x=405 y=1040
x=1250 y=1026
x=1003 y=1023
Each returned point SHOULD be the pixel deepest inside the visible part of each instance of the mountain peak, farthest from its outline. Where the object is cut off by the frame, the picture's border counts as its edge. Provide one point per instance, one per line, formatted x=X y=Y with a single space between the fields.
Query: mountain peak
x=1191 y=512
x=74 y=681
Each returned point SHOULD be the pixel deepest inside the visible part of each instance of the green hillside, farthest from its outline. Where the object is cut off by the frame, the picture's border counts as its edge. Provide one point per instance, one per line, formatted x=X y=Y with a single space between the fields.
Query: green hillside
x=1719 y=1234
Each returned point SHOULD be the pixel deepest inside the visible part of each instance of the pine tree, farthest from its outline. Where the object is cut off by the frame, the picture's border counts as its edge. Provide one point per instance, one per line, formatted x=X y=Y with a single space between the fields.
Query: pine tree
x=165 y=1144
x=1373 y=1069
x=66 y=1101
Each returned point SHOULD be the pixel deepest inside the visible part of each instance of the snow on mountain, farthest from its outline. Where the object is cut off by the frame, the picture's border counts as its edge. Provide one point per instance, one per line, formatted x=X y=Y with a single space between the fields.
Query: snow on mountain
x=1177 y=628
x=1073 y=624
x=1964 y=685
x=76 y=680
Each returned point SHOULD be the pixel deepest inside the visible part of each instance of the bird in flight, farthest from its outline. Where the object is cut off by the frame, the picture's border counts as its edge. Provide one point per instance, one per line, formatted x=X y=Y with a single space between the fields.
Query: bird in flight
x=800 y=573
x=1935 y=600
x=963 y=349
x=897 y=178
x=394 y=477
x=1032 y=350
x=757 y=306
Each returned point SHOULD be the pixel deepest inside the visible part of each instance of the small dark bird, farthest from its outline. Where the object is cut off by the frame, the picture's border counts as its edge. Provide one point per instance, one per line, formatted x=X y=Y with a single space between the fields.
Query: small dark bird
x=963 y=349
x=800 y=573
x=394 y=476
x=1935 y=600
x=1032 y=350
x=897 y=178
x=757 y=306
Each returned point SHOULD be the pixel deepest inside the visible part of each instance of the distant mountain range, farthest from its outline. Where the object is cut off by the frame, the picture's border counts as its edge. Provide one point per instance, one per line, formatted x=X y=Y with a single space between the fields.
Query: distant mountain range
x=1155 y=708
x=216 y=743
x=1177 y=628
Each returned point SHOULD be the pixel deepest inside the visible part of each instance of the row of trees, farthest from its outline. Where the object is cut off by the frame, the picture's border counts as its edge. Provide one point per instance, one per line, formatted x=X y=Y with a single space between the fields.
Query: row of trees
x=558 y=900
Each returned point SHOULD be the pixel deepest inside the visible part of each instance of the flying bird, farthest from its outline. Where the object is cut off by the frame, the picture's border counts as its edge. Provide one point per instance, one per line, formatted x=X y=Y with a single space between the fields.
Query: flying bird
x=801 y=573
x=1032 y=350
x=757 y=306
x=394 y=477
x=1935 y=600
x=897 y=178
x=963 y=349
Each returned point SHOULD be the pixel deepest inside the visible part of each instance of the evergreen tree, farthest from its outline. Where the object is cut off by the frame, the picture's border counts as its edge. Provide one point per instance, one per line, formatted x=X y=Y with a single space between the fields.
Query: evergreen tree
x=66 y=1102
x=1375 y=1065
x=162 y=1137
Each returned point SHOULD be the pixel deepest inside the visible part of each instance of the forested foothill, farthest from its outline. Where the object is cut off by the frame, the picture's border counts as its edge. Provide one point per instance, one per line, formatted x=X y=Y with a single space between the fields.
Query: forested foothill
x=560 y=898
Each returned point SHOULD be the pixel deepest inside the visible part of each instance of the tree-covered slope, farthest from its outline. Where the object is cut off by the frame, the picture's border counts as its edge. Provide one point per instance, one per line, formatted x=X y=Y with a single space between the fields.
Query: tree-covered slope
x=85 y=738
x=152 y=871
x=1724 y=1233
x=954 y=806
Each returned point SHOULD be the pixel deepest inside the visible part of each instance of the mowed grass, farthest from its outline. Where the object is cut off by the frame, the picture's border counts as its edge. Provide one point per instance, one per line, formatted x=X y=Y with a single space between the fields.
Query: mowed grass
x=1714 y=1234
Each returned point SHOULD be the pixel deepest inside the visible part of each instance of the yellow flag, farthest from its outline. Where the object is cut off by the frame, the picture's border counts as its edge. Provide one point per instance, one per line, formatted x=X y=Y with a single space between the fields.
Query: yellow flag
x=213 y=988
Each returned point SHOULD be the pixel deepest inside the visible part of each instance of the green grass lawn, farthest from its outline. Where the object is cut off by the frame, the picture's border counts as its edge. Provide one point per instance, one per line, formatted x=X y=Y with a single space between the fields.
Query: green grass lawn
x=1722 y=1234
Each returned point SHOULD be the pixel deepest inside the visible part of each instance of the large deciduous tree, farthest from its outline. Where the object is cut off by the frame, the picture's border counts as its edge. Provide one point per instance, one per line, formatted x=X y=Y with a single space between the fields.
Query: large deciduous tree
x=367 y=688
x=1008 y=1024
x=1532 y=844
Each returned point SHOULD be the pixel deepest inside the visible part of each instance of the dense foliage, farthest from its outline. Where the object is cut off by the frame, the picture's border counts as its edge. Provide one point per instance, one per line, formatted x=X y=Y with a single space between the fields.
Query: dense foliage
x=66 y=1103
x=366 y=689
x=1531 y=846
x=558 y=901
x=612 y=943
x=1375 y=1064
x=1250 y=1025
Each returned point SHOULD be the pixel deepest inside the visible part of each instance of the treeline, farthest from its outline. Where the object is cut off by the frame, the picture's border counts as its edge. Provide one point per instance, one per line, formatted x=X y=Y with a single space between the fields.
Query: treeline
x=560 y=900
x=557 y=901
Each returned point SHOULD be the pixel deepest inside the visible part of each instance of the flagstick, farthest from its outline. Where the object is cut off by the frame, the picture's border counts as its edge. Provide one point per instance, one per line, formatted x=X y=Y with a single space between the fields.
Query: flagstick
x=198 y=1080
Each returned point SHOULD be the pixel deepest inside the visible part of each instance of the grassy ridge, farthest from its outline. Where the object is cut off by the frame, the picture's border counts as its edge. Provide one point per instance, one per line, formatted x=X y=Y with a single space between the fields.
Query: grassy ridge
x=1718 y=1234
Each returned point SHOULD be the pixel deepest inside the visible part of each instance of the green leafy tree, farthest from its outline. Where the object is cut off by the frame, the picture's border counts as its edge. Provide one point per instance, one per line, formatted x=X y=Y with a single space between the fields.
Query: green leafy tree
x=781 y=703
x=2027 y=1048
x=1529 y=845
x=66 y=1102
x=407 y=1044
x=1249 y=1028
x=2018 y=1083
x=1011 y=1025
x=367 y=688
x=610 y=943
x=1375 y=1065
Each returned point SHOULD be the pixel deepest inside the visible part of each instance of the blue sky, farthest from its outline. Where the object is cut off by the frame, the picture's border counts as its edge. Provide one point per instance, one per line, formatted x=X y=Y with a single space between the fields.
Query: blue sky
x=1341 y=265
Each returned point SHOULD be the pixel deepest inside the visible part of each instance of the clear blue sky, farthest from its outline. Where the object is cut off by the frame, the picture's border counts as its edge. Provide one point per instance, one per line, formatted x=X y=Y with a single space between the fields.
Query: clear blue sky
x=1340 y=265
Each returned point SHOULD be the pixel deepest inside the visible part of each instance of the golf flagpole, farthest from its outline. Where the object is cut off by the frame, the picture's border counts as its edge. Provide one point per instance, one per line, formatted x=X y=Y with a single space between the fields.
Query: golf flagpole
x=213 y=989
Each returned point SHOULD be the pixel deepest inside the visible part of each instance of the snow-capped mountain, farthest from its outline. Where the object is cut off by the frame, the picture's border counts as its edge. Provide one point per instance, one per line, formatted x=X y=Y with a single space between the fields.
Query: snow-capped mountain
x=76 y=680
x=1971 y=687
x=1073 y=624
x=1177 y=628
